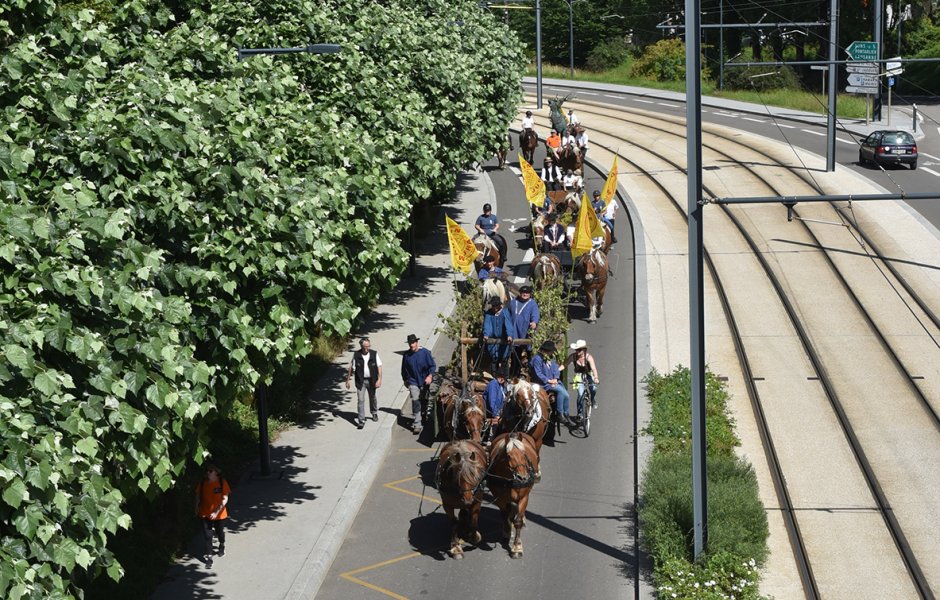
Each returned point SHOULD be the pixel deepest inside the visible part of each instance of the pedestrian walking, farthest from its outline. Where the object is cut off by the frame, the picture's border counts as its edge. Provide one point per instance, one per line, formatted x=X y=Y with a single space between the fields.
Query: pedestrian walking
x=417 y=370
x=366 y=366
x=212 y=496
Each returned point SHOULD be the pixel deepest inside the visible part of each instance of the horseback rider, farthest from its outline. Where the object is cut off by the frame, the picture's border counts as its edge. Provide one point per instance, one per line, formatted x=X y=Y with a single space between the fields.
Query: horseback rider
x=547 y=372
x=551 y=173
x=569 y=141
x=488 y=224
x=553 y=237
x=489 y=270
x=600 y=209
x=581 y=140
x=497 y=323
x=528 y=124
x=553 y=144
x=585 y=370
x=573 y=119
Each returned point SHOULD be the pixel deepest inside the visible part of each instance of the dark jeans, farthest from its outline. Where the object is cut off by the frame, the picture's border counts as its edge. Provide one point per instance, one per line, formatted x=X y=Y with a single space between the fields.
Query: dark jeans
x=208 y=526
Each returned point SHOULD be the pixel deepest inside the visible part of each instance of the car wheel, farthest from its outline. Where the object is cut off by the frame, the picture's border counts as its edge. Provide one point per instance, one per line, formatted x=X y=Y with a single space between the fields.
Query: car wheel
x=914 y=165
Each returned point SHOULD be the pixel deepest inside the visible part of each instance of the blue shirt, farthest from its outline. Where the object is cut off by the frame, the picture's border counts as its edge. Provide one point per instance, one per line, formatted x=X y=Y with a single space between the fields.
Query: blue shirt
x=416 y=366
x=523 y=313
x=543 y=369
x=495 y=397
x=486 y=273
x=488 y=223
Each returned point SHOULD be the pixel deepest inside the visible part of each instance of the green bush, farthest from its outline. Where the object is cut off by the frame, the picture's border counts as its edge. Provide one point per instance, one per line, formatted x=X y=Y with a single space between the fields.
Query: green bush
x=176 y=225
x=664 y=61
x=608 y=55
x=761 y=78
x=716 y=577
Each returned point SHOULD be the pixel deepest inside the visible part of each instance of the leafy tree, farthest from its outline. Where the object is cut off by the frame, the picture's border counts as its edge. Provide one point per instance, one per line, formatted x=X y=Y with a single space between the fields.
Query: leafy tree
x=175 y=224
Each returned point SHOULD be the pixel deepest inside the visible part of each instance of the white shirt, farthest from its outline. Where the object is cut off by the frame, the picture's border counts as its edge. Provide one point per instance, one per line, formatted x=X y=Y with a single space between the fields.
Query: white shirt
x=552 y=173
x=582 y=140
x=570 y=181
x=611 y=212
x=569 y=140
x=573 y=118
x=528 y=122
x=365 y=364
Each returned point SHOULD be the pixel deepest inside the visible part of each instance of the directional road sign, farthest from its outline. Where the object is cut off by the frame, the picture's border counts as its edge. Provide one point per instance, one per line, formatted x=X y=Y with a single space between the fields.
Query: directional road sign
x=860 y=50
x=859 y=79
x=869 y=68
x=851 y=89
x=893 y=66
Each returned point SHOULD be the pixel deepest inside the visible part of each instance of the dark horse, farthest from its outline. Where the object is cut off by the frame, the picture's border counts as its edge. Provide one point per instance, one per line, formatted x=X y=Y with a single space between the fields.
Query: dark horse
x=464 y=417
x=528 y=141
x=461 y=469
x=514 y=463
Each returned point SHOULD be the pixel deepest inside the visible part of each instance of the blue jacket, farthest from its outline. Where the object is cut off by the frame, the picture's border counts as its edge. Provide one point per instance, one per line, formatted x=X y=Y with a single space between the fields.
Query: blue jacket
x=498 y=326
x=543 y=370
x=485 y=273
x=495 y=397
x=522 y=314
x=415 y=366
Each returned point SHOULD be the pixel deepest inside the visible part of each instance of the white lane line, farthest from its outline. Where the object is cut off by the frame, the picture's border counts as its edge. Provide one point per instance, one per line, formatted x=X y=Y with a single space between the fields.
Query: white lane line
x=516 y=171
x=814 y=132
x=523 y=271
x=667 y=104
x=588 y=93
x=755 y=120
x=931 y=171
x=844 y=141
x=644 y=101
x=612 y=96
x=938 y=129
x=929 y=155
x=785 y=126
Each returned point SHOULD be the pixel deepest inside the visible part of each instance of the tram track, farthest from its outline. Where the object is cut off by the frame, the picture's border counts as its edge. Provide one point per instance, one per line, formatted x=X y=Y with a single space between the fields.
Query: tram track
x=796 y=314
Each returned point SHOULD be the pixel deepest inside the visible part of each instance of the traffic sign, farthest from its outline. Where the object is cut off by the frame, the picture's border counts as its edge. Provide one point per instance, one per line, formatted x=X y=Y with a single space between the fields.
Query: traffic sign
x=860 y=50
x=820 y=67
x=868 y=68
x=859 y=79
x=891 y=81
x=852 y=89
x=893 y=66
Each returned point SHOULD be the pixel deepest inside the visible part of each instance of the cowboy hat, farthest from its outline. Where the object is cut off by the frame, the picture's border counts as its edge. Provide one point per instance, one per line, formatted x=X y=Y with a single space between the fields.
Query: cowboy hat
x=578 y=345
x=547 y=346
x=495 y=301
x=412 y=338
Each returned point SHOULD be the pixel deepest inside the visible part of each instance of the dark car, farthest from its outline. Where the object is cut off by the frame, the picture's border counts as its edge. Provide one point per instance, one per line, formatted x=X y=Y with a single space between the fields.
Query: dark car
x=889 y=148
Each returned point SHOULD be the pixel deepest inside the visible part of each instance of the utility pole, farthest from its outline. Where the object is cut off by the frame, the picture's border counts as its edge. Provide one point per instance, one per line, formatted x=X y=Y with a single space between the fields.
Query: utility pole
x=693 y=91
x=571 y=38
x=538 y=53
x=878 y=27
x=833 y=70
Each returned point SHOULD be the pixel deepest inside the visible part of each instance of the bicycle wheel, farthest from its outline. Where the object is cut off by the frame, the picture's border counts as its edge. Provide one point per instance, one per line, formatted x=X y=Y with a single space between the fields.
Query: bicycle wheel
x=586 y=420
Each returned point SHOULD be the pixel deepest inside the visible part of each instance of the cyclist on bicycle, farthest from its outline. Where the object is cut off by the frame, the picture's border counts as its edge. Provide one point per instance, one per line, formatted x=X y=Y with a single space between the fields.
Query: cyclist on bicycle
x=585 y=371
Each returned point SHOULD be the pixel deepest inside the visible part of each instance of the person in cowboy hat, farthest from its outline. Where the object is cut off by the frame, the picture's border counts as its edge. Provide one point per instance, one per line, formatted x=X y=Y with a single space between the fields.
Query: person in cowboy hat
x=551 y=174
x=489 y=269
x=547 y=372
x=585 y=371
x=553 y=236
x=417 y=370
x=497 y=323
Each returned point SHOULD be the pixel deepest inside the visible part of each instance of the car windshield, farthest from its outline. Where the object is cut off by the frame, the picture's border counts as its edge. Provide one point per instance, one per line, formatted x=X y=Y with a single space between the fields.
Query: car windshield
x=897 y=137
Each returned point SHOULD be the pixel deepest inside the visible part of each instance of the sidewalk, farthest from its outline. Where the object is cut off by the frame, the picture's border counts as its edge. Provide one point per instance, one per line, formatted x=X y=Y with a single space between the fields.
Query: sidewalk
x=283 y=532
x=901 y=118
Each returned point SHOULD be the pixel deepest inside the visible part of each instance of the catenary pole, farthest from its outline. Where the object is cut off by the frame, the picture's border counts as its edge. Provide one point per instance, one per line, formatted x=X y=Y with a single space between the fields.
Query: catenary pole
x=693 y=87
x=877 y=38
x=832 y=72
x=571 y=37
x=538 y=53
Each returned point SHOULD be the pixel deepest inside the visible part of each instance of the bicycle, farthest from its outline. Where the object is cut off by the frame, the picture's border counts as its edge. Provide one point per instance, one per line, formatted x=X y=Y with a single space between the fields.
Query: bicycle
x=585 y=401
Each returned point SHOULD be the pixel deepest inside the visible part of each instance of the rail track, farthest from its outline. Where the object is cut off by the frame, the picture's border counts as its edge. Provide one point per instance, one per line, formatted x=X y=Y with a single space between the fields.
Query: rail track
x=852 y=472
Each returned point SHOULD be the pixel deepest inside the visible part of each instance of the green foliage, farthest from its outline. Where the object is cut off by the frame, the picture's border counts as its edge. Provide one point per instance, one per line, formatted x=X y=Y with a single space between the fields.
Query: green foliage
x=924 y=39
x=608 y=55
x=737 y=523
x=761 y=79
x=176 y=225
x=664 y=61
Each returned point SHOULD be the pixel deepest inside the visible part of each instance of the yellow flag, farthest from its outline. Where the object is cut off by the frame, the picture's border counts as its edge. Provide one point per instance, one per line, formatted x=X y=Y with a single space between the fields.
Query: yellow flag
x=462 y=250
x=534 y=186
x=610 y=186
x=593 y=222
x=584 y=230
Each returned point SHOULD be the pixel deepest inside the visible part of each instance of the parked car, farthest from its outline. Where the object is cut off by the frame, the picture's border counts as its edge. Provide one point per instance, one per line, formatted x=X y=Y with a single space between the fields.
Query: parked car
x=889 y=148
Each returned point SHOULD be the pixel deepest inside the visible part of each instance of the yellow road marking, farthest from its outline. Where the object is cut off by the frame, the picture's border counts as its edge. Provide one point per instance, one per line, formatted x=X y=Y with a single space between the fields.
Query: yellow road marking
x=349 y=575
x=393 y=485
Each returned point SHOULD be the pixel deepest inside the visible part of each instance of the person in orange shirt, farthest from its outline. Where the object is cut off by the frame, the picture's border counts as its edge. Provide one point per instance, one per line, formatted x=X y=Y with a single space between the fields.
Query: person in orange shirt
x=212 y=495
x=553 y=143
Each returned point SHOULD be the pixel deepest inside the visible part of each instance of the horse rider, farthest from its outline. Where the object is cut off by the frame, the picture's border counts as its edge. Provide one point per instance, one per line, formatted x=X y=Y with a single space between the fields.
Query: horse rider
x=610 y=213
x=553 y=143
x=497 y=323
x=524 y=311
x=573 y=119
x=585 y=370
x=488 y=224
x=600 y=209
x=495 y=397
x=528 y=124
x=581 y=139
x=489 y=270
x=551 y=174
x=547 y=372
x=553 y=236
x=570 y=139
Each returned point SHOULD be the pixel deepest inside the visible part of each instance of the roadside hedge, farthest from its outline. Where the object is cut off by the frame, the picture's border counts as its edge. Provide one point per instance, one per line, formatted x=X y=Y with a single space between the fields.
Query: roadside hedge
x=737 y=522
x=175 y=224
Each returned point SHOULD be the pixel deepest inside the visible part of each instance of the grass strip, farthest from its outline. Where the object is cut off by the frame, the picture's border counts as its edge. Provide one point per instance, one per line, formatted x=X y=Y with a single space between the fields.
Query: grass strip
x=737 y=522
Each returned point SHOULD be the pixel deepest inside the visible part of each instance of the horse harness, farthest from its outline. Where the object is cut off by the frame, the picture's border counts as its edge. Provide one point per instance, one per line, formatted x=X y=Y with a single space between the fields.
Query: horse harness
x=515 y=482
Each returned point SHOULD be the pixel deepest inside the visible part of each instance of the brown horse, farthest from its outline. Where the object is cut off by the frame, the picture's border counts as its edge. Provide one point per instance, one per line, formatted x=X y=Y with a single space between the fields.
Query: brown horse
x=486 y=247
x=527 y=409
x=592 y=268
x=528 y=142
x=461 y=469
x=569 y=158
x=514 y=462
x=464 y=418
x=546 y=270
x=538 y=230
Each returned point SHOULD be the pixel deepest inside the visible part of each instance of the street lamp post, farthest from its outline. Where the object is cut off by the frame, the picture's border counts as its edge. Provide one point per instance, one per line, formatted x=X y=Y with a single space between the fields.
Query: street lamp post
x=571 y=38
x=261 y=388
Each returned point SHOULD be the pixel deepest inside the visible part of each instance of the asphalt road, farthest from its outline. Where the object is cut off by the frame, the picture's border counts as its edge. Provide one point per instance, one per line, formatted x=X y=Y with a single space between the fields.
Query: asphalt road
x=809 y=137
x=579 y=533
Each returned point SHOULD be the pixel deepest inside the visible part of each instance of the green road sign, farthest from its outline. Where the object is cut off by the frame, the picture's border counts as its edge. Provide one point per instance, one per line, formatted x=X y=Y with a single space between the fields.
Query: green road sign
x=859 y=50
